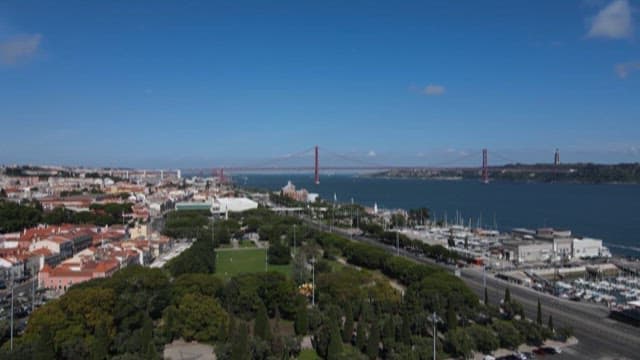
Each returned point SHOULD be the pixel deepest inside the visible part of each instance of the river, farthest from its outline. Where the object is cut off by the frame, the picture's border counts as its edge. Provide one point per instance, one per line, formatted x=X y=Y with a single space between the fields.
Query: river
x=605 y=211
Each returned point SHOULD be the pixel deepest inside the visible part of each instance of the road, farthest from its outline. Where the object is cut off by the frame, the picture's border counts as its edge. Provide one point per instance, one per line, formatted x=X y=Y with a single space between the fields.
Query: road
x=24 y=287
x=599 y=337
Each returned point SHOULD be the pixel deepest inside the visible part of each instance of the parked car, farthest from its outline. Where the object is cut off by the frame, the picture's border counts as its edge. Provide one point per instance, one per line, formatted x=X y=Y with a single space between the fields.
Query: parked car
x=547 y=350
x=552 y=350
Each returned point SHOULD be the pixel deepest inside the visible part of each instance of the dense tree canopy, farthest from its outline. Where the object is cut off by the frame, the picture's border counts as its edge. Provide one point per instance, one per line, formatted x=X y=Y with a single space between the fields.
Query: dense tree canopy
x=17 y=216
x=133 y=313
x=201 y=318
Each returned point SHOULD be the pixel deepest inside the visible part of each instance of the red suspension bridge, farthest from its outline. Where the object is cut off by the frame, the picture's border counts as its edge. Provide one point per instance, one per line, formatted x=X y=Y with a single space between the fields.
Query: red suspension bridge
x=347 y=162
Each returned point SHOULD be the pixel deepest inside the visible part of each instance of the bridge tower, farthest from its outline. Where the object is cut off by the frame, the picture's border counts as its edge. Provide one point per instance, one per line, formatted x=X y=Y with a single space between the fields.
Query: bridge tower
x=556 y=158
x=317 y=168
x=485 y=166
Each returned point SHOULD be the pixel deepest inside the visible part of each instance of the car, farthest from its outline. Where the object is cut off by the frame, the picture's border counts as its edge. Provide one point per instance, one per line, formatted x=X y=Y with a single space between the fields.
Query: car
x=547 y=350
x=508 y=357
x=552 y=350
x=525 y=355
x=539 y=351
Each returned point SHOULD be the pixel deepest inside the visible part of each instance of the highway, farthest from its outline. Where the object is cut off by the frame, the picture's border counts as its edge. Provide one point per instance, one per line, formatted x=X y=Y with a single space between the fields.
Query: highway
x=599 y=337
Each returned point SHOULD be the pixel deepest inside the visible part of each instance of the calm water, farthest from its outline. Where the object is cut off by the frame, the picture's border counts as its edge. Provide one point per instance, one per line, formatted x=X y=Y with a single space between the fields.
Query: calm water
x=608 y=212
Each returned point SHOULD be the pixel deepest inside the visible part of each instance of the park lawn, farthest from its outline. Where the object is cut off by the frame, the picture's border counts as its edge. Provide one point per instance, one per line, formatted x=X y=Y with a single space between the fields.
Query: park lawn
x=231 y=262
x=308 y=354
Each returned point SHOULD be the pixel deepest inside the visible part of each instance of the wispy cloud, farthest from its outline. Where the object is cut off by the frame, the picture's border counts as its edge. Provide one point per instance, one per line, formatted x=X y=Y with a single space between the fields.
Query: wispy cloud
x=371 y=153
x=434 y=90
x=19 y=48
x=614 y=21
x=625 y=69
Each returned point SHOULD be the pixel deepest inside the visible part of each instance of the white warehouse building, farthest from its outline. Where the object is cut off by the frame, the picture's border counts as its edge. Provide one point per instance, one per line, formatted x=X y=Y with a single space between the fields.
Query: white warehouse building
x=587 y=248
x=232 y=204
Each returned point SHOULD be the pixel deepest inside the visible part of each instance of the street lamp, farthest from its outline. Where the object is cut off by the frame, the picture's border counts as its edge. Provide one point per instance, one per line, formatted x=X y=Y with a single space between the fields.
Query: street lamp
x=213 y=220
x=294 y=239
x=313 y=281
x=434 y=319
x=12 y=282
x=33 y=292
x=484 y=275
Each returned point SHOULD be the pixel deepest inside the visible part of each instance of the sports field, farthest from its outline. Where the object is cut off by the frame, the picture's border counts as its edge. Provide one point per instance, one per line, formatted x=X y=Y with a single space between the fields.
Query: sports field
x=231 y=262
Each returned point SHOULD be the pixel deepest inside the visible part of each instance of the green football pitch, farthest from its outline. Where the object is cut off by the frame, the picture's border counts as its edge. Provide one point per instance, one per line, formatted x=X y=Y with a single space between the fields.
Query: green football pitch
x=231 y=262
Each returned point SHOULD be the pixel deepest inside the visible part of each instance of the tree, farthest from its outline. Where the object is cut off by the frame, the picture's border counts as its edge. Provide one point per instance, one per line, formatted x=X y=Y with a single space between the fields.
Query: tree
x=366 y=313
x=272 y=288
x=147 y=346
x=301 y=324
x=347 y=331
x=152 y=352
x=460 y=342
x=508 y=335
x=199 y=258
x=531 y=331
x=299 y=270
x=361 y=336
x=15 y=217
x=484 y=339
x=44 y=349
x=201 y=318
x=388 y=333
x=550 y=323
x=507 y=295
x=419 y=215
x=100 y=348
x=277 y=342
x=539 y=315
x=373 y=342
x=261 y=325
x=398 y=220
x=405 y=330
x=203 y=284
x=3 y=194
x=335 y=341
x=452 y=318
x=278 y=253
x=240 y=343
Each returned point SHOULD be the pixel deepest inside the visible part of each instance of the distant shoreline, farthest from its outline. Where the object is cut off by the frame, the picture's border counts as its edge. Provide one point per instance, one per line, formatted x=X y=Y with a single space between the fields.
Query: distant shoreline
x=388 y=177
x=536 y=173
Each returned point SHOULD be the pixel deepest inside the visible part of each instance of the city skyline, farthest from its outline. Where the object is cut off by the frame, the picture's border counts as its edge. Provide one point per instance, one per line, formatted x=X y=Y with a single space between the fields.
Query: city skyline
x=182 y=85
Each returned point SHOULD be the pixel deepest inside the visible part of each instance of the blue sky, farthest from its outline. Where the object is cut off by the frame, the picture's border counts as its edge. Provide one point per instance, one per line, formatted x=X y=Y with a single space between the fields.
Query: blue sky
x=188 y=84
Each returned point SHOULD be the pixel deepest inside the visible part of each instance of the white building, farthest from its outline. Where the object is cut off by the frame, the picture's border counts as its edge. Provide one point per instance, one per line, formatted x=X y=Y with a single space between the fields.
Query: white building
x=231 y=204
x=528 y=251
x=587 y=248
x=11 y=268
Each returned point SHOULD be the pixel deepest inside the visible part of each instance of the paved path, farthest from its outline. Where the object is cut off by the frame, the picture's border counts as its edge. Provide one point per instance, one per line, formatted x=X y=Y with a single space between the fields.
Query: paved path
x=181 y=350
